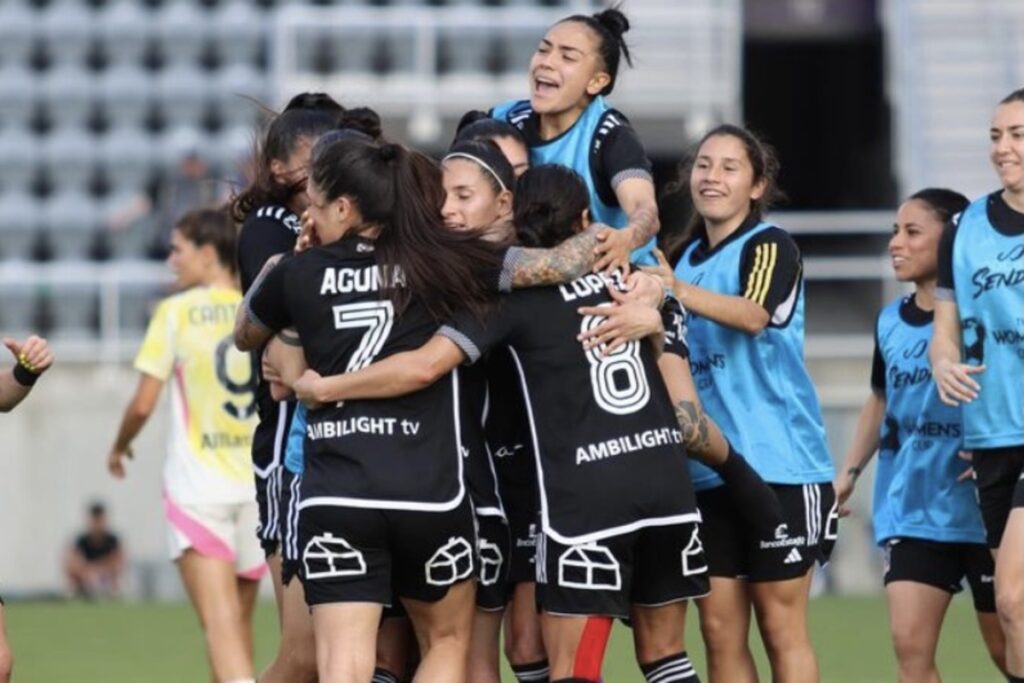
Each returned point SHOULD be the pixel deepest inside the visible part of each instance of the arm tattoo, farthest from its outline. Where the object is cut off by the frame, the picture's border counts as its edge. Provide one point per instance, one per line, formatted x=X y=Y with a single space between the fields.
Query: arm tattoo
x=250 y=333
x=564 y=263
x=644 y=221
x=694 y=425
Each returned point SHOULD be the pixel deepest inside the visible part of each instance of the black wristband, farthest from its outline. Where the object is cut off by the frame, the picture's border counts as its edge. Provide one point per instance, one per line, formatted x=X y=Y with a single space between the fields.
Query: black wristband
x=23 y=377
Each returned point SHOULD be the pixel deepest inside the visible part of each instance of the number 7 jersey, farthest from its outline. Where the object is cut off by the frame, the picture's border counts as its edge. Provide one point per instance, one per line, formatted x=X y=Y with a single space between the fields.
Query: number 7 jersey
x=189 y=343
x=400 y=453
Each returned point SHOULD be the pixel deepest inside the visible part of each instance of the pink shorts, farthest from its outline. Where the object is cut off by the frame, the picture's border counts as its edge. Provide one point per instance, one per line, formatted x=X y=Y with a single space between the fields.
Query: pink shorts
x=225 y=531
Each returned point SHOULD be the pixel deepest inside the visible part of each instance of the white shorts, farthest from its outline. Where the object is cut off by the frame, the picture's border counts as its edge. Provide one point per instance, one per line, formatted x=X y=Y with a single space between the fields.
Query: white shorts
x=225 y=531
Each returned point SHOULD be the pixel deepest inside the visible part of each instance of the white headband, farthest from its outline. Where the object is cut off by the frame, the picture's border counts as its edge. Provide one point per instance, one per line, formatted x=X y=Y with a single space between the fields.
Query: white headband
x=484 y=164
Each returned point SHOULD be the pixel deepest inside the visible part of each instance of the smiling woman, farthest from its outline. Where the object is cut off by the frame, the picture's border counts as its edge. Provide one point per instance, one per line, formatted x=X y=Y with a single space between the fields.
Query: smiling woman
x=567 y=121
x=977 y=356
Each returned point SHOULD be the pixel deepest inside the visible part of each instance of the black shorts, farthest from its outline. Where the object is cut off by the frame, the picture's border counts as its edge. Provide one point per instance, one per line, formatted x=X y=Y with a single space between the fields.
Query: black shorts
x=368 y=555
x=268 y=447
x=522 y=510
x=492 y=563
x=291 y=561
x=998 y=472
x=653 y=566
x=808 y=537
x=944 y=566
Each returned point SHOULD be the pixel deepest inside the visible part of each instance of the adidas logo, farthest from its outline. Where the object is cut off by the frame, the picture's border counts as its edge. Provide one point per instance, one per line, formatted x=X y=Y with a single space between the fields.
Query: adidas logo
x=794 y=556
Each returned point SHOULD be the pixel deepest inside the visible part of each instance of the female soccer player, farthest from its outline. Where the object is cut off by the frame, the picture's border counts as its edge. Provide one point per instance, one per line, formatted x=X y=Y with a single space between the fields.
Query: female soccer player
x=208 y=483
x=268 y=210
x=477 y=125
x=603 y=564
x=32 y=358
x=979 y=299
x=740 y=280
x=925 y=515
x=567 y=121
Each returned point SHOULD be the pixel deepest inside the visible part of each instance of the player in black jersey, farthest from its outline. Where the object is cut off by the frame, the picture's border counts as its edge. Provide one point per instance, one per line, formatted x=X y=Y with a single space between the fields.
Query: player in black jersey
x=269 y=212
x=617 y=506
x=383 y=501
x=477 y=125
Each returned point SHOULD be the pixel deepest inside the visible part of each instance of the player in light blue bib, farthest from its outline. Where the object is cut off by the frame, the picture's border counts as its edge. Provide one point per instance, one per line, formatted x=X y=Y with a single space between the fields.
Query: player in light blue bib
x=567 y=121
x=977 y=357
x=740 y=280
x=925 y=512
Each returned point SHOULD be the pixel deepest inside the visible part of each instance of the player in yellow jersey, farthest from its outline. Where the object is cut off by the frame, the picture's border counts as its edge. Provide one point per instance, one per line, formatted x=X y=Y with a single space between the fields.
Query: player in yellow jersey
x=209 y=496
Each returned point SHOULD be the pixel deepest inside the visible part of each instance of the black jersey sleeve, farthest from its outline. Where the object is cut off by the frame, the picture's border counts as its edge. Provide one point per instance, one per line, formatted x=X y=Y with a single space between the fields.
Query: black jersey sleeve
x=674 y=319
x=770 y=270
x=263 y=235
x=619 y=156
x=878 y=370
x=945 y=286
x=476 y=336
x=266 y=301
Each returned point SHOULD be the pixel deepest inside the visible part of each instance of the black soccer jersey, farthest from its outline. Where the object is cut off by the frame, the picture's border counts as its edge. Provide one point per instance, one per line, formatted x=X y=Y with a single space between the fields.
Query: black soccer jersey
x=400 y=453
x=266 y=232
x=480 y=475
x=507 y=428
x=609 y=450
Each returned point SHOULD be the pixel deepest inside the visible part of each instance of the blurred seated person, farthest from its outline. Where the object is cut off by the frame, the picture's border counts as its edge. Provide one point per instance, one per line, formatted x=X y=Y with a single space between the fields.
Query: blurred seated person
x=94 y=562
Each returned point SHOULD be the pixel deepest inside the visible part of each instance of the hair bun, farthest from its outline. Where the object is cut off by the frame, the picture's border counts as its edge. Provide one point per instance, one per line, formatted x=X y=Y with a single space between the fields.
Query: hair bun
x=388 y=152
x=362 y=119
x=469 y=118
x=613 y=20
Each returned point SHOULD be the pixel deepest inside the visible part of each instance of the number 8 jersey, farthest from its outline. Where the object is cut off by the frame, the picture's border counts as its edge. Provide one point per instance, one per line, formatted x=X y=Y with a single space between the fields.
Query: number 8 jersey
x=609 y=451
x=213 y=407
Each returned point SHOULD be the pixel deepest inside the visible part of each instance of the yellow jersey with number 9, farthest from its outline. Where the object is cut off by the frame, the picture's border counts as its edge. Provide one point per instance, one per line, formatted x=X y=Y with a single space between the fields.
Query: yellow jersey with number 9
x=189 y=343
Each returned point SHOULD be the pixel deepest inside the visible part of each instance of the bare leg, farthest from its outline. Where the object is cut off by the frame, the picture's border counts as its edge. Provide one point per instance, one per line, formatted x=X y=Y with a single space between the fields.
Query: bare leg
x=296 y=655
x=346 y=640
x=443 y=630
x=916 y=612
x=781 y=609
x=484 y=645
x=725 y=626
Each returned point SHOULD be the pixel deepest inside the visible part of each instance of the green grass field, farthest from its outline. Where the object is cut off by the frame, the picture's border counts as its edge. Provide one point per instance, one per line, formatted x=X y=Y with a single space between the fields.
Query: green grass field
x=157 y=643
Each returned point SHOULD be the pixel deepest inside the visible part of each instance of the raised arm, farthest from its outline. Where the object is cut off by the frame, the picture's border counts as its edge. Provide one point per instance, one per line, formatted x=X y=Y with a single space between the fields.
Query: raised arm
x=397 y=375
x=637 y=198
x=541 y=267
x=32 y=359
x=701 y=436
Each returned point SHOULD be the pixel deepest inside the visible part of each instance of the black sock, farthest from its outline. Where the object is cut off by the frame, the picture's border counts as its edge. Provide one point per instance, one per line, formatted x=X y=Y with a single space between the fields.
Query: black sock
x=672 y=669
x=383 y=676
x=534 y=672
x=1010 y=678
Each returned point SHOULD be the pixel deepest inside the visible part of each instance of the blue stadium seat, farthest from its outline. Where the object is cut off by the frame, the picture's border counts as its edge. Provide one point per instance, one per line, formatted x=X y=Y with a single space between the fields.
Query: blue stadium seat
x=71 y=217
x=69 y=156
x=182 y=29
x=68 y=93
x=17 y=28
x=127 y=156
x=183 y=93
x=239 y=30
x=125 y=28
x=126 y=93
x=67 y=27
x=238 y=91
x=19 y=217
x=19 y=91
x=21 y=154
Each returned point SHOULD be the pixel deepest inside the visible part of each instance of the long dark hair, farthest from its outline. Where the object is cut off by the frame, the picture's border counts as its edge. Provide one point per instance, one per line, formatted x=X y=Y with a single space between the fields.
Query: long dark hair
x=306 y=117
x=945 y=203
x=549 y=203
x=496 y=169
x=477 y=125
x=400 y=190
x=764 y=163
x=609 y=26
x=213 y=227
